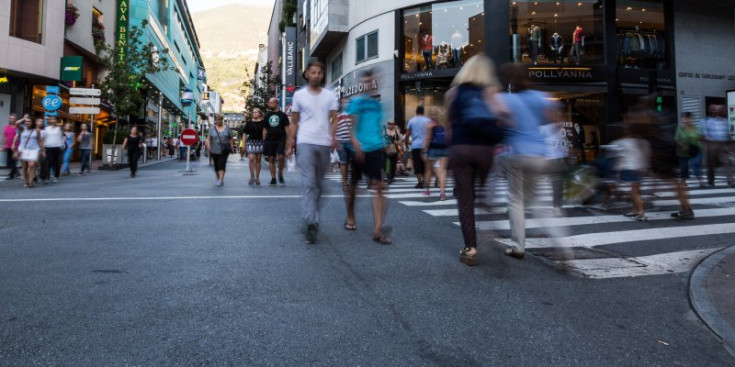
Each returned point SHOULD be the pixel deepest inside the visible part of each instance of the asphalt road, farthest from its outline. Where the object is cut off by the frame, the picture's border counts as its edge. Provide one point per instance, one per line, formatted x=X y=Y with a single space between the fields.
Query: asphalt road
x=168 y=269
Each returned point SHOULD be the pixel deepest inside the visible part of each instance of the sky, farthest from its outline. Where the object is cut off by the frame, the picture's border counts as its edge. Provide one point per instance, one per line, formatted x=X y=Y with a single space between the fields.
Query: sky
x=199 y=5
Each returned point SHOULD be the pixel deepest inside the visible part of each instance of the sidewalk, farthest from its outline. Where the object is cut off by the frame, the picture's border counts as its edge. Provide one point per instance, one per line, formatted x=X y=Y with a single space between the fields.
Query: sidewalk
x=712 y=294
x=75 y=167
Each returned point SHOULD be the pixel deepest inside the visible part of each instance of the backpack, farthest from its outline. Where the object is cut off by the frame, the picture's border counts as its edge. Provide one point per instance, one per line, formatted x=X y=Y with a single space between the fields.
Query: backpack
x=471 y=114
x=438 y=139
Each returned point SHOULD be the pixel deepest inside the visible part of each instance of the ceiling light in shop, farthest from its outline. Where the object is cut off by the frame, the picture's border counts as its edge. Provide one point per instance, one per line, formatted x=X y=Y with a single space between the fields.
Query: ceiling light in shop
x=629 y=8
x=644 y=9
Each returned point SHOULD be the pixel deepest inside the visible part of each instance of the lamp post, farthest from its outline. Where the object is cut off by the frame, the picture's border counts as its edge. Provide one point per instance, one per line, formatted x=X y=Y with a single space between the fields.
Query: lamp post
x=187 y=98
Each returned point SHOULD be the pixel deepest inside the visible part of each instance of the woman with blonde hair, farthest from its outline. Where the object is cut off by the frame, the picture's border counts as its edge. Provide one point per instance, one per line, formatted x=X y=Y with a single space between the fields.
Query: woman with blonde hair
x=435 y=151
x=474 y=116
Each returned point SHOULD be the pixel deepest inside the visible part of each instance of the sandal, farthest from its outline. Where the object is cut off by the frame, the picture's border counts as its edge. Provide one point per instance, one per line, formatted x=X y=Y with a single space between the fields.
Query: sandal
x=466 y=258
x=515 y=253
x=251 y=181
x=350 y=226
x=382 y=239
x=257 y=181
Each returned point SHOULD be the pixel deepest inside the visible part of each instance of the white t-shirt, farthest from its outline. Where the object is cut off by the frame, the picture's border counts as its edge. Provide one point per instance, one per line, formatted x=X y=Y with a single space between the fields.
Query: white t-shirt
x=314 y=111
x=53 y=137
x=633 y=154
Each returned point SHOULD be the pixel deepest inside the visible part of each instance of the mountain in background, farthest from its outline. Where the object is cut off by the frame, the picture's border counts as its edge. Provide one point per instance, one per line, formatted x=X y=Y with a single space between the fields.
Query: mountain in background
x=229 y=38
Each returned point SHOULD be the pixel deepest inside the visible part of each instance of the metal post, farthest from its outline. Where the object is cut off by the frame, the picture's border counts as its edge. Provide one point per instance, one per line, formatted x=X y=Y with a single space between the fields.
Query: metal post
x=160 y=116
x=91 y=138
x=188 y=156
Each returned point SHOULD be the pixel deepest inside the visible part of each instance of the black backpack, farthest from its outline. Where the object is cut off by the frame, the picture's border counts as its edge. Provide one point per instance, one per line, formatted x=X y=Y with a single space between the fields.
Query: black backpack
x=471 y=114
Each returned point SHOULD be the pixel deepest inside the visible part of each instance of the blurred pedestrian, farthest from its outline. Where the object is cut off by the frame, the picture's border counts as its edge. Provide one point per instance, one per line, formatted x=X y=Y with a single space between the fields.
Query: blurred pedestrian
x=632 y=157
x=69 y=144
x=416 y=130
x=688 y=147
x=314 y=122
x=556 y=162
x=85 y=147
x=219 y=146
x=30 y=149
x=393 y=150
x=53 y=143
x=368 y=144
x=134 y=144
x=252 y=138
x=344 y=125
x=9 y=132
x=717 y=138
x=474 y=119
x=531 y=110
x=436 y=155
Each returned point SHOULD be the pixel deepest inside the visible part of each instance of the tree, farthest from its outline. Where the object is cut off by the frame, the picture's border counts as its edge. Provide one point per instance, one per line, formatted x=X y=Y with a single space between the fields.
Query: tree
x=257 y=92
x=127 y=68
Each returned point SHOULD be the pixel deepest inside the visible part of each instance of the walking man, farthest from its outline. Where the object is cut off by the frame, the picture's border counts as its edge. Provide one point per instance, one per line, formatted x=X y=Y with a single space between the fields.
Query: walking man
x=314 y=122
x=53 y=142
x=274 y=145
x=416 y=129
x=717 y=138
x=368 y=144
x=9 y=133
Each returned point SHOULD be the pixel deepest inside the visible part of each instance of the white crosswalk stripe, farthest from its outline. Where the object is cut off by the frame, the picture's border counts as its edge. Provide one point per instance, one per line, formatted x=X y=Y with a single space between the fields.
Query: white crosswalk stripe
x=717 y=204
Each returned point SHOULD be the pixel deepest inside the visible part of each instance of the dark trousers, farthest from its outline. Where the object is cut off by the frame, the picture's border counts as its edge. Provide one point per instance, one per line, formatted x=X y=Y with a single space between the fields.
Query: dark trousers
x=392 y=162
x=133 y=156
x=470 y=163
x=718 y=152
x=52 y=162
x=11 y=163
x=85 y=160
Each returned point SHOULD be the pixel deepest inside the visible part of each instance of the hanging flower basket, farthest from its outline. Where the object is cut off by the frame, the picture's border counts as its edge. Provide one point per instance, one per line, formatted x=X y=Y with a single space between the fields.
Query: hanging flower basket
x=98 y=34
x=72 y=13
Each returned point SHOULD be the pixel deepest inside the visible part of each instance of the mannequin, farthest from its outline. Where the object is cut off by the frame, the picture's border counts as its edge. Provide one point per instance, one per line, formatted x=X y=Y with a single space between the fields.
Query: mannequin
x=577 y=44
x=428 y=51
x=556 y=44
x=457 y=42
x=534 y=42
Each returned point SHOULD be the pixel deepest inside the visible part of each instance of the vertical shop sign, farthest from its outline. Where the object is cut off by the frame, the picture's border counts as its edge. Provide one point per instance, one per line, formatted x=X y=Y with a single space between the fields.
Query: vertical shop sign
x=121 y=36
x=731 y=111
x=290 y=56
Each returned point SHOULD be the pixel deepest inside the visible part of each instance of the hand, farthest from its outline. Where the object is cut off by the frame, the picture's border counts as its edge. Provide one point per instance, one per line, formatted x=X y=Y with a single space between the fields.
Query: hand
x=289 y=152
x=334 y=143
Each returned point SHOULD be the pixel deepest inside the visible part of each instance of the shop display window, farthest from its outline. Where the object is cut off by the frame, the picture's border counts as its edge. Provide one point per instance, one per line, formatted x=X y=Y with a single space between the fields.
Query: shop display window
x=556 y=32
x=422 y=94
x=641 y=31
x=443 y=35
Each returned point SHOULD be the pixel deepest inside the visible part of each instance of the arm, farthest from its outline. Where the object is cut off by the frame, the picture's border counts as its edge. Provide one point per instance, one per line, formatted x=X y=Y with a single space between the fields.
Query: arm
x=291 y=132
x=40 y=141
x=427 y=138
x=333 y=127
x=125 y=143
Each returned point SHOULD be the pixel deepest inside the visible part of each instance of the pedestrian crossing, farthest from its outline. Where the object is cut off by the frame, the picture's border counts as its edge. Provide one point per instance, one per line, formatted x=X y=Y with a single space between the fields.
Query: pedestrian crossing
x=594 y=241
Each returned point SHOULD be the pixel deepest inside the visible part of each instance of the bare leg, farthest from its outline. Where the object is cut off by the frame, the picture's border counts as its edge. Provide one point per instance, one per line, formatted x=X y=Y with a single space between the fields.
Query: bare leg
x=428 y=170
x=637 y=200
x=379 y=208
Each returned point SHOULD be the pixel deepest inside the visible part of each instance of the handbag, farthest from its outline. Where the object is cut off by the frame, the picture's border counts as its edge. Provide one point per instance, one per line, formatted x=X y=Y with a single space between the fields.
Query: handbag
x=693 y=150
x=225 y=148
x=390 y=149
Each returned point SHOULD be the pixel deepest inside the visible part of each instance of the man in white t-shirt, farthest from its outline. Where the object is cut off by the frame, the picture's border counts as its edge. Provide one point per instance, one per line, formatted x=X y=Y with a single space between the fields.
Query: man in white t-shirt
x=314 y=122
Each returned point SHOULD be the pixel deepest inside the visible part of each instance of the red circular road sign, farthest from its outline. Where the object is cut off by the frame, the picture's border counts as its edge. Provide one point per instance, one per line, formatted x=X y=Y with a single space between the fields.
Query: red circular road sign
x=189 y=137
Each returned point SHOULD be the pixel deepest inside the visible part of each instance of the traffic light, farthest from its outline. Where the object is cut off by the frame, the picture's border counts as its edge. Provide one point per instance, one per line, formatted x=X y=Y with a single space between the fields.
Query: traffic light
x=659 y=104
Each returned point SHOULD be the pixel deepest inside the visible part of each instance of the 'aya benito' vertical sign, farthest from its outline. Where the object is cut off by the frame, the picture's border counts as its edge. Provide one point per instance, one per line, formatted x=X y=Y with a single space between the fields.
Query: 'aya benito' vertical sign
x=121 y=38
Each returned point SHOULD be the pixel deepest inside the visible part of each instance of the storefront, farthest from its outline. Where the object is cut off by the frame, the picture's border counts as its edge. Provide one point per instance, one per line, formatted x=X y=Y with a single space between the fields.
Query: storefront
x=596 y=57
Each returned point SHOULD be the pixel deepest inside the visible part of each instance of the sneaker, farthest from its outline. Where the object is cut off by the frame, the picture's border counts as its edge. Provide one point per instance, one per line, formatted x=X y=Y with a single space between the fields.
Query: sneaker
x=630 y=214
x=54 y=179
x=280 y=179
x=273 y=181
x=683 y=214
x=640 y=218
x=311 y=232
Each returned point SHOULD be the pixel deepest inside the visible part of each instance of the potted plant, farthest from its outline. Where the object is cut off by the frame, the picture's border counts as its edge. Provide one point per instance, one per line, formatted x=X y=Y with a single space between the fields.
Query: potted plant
x=72 y=13
x=98 y=34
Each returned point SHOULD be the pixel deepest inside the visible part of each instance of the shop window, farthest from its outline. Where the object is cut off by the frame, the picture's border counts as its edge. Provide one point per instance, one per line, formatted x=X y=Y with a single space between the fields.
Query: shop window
x=422 y=93
x=367 y=47
x=336 y=67
x=163 y=12
x=443 y=35
x=26 y=20
x=556 y=32
x=641 y=34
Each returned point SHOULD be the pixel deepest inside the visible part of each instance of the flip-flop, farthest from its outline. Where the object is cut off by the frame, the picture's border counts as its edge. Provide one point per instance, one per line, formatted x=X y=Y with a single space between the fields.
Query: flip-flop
x=382 y=239
x=350 y=227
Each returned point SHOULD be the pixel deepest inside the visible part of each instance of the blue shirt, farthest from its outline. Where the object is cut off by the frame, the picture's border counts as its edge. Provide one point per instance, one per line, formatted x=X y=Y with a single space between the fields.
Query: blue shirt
x=716 y=129
x=367 y=124
x=417 y=125
x=528 y=109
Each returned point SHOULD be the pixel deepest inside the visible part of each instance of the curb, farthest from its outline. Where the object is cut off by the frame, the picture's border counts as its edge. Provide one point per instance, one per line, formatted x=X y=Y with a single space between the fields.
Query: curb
x=701 y=302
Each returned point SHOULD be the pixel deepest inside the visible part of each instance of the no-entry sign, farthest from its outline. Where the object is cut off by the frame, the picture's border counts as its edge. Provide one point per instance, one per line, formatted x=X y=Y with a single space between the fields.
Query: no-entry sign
x=189 y=137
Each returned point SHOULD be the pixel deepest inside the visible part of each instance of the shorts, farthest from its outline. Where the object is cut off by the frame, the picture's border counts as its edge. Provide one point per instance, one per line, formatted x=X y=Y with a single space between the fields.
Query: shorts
x=345 y=155
x=254 y=147
x=272 y=148
x=436 y=153
x=630 y=176
x=418 y=161
x=371 y=166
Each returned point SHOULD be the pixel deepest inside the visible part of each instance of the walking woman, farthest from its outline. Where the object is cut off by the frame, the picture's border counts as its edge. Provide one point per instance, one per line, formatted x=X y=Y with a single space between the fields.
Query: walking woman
x=69 y=141
x=393 y=149
x=252 y=138
x=435 y=151
x=219 y=146
x=30 y=149
x=474 y=111
x=85 y=146
x=134 y=144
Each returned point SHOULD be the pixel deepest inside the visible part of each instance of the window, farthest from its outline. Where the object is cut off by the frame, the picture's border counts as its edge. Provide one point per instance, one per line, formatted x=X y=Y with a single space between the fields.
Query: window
x=641 y=34
x=367 y=46
x=26 y=20
x=336 y=67
x=163 y=12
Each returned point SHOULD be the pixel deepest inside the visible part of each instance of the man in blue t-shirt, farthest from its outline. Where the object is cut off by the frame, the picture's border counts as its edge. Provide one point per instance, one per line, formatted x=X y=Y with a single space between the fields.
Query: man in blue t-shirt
x=416 y=129
x=368 y=144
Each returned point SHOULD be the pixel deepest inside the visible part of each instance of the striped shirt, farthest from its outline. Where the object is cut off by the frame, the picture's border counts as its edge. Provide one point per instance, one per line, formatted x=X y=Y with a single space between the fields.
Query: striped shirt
x=344 y=124
x=716 y=129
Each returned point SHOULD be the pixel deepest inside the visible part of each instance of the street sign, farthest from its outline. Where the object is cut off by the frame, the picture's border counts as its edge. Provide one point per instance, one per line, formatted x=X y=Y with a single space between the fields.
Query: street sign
x=85 y=92
x=189 y=137
x=51 y=102
x=84 y=110
x=86 y=101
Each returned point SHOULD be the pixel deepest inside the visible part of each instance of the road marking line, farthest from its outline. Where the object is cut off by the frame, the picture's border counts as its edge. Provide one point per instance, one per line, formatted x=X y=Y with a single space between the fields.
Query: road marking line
x=659 y=264
x=21 y=200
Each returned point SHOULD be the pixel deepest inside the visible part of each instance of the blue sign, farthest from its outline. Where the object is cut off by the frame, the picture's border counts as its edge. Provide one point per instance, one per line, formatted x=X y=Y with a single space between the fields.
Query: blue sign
x=50 y=114
x=52 y=90
x=52 y=102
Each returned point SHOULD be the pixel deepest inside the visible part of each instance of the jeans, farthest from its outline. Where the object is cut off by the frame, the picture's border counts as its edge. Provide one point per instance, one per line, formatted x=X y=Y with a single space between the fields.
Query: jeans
x=696 y=164
x=684 y=168
x=67 y=157
x=576 y=53
x=456 y=57
x=85 y=160
x=313 y=163
x=182 y=152
x=11 y=163
x=428 y=60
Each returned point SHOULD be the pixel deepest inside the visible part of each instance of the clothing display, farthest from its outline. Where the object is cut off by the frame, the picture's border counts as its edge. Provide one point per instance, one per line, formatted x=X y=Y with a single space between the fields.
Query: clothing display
x=534 y=42
x=577 y=45
x=641 y=49
x=557 y=50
